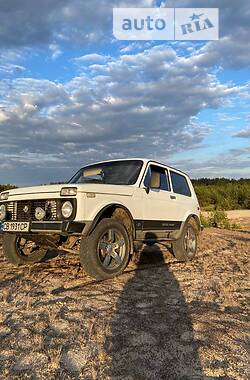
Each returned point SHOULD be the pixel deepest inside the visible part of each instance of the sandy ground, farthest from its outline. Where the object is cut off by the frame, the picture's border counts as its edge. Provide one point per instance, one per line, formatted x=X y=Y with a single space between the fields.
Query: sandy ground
x=238 y=214
x=241 y=217
x=159 y=320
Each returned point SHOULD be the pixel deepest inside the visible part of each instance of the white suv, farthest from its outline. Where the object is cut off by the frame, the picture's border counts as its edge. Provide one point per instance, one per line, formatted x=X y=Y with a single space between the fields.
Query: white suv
x=104 y=210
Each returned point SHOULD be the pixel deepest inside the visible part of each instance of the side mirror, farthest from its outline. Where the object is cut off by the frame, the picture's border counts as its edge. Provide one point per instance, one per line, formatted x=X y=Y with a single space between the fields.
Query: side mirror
x=155 y=181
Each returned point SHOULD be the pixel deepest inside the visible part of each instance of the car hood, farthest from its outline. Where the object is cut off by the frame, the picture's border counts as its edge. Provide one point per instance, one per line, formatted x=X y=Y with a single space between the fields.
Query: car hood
x=49 y=190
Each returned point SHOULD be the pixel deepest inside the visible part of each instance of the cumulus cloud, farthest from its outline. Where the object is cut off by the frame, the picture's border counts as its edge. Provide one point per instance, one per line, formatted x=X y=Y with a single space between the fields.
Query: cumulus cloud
x=236 y=164
x=10 y=62
x=143 y=104
x=88 y=58
x=79 y=22
x=245 y=133
x=55 y=50
x=230 y=52
x=27 y=23
x=233 y=48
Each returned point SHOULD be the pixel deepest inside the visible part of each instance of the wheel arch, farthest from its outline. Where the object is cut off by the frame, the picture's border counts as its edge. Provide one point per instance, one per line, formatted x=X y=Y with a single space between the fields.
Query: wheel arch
x=196 y=219
x=118 y=212
x=177 y=234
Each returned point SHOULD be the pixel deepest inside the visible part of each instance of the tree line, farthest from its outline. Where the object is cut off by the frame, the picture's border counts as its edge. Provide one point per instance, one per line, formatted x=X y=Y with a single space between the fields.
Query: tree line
x=223 y=193
x=7 y=187
x=213 y=193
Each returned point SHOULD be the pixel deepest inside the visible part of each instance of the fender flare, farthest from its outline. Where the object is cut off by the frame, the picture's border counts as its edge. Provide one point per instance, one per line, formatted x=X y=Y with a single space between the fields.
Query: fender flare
x=105 y=208
x=197 y=220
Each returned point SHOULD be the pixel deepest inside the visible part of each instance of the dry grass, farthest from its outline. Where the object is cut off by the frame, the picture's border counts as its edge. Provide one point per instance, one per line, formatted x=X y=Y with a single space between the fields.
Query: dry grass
x=159 y=320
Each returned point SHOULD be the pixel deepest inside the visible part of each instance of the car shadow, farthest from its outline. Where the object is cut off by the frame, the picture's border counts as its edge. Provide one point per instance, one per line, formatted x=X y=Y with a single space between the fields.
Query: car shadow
x=52 y=254
x=151 y=334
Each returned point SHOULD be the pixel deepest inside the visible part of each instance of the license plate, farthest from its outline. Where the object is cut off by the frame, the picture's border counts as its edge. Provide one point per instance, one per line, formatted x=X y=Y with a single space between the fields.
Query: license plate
x=16 y=226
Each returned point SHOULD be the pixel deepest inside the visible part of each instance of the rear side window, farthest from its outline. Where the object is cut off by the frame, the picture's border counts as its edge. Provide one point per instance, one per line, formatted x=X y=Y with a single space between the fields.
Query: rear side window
x=180 y=184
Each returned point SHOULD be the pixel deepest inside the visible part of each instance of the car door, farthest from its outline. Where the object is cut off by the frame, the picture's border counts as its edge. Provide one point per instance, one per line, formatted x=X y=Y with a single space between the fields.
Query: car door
x=159 y=210
x=183 y=199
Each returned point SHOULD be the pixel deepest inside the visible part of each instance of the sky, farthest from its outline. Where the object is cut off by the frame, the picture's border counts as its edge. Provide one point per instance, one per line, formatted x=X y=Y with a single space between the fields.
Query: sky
x=72 y=94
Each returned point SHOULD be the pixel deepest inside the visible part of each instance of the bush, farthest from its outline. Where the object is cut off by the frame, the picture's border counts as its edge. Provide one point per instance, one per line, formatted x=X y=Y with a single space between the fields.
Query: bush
x=205 y=221
x=218 y=219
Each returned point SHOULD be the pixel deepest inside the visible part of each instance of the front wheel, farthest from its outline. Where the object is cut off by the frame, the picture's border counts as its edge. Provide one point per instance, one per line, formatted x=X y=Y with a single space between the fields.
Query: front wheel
x=185 y=248
x=105 y=252
x=18 y=250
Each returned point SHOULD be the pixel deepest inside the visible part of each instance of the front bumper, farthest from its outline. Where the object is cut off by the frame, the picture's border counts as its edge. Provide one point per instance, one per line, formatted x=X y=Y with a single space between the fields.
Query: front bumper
x=53 y=227
x=58 y=227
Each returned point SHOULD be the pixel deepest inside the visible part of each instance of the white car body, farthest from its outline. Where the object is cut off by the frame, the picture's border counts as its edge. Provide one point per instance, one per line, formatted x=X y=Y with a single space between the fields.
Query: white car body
x=162 y=212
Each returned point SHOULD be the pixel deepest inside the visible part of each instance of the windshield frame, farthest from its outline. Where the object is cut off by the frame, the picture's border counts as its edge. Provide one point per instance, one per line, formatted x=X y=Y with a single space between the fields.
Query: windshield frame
x=107 y=162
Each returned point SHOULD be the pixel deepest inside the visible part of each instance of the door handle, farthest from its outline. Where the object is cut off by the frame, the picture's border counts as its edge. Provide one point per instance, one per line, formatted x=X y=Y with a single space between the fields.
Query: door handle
x=172 y=197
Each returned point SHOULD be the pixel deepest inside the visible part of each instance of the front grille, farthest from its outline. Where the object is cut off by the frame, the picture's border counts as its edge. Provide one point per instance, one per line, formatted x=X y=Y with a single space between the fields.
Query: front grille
x=24 y=211
x=11 y=211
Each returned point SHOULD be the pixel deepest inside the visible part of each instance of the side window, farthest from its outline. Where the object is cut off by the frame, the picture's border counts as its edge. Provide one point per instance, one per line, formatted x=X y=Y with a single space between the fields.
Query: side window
x=164 y=181
x=180 y=185
x=163 y=177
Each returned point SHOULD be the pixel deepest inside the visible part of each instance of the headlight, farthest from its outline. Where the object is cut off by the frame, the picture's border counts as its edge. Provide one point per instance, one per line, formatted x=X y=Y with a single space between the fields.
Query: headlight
x=67 y=209
x=2 y=212
x=4 y=196
x=68 y=191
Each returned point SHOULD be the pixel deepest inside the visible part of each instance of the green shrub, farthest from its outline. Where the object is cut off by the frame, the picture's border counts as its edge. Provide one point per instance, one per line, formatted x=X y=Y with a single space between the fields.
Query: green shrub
x=219 y=218
x=205 y=221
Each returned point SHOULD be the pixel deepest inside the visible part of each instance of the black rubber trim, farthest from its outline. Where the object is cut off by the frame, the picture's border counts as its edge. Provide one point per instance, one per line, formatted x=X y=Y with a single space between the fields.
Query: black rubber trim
x=150 y=225
x=46 y=226
x=75 y=227
x=69 y=227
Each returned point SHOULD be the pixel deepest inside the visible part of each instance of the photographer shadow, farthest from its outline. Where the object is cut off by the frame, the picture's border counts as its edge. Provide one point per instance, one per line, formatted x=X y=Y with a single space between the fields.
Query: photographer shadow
x=151 y=333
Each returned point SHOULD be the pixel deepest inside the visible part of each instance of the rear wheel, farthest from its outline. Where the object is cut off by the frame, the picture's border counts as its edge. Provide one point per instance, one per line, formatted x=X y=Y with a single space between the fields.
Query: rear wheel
x=18 y=250
x=105 y=252
x=185 y=248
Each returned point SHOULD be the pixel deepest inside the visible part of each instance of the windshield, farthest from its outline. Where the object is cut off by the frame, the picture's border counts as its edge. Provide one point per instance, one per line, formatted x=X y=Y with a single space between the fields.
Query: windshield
x=113 y=173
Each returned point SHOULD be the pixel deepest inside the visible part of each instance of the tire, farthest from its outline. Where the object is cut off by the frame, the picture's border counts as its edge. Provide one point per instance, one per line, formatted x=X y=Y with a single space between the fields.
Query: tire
x=185 y=248
x=106 y=251
x=16 y=252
